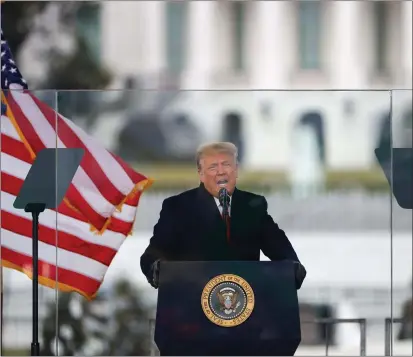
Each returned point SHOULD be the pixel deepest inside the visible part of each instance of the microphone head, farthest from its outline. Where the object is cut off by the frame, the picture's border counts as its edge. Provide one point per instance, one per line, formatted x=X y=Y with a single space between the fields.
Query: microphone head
x=223 y=196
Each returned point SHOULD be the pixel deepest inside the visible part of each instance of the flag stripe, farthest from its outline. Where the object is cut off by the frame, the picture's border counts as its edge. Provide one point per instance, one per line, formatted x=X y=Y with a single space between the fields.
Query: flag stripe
x=14 y=170
x=14 y=147
x=39 y=124
x=11 y=185
x=64 y=221
x=128 y=177
x=90 y=163
x=16 y=162
x=108 y=164
x=41 y=135
x=134 y=176
x=48 y=254
x=8 y=129
x=61 y=239
x=85 y=285
x=20 y=169
x=30 y=134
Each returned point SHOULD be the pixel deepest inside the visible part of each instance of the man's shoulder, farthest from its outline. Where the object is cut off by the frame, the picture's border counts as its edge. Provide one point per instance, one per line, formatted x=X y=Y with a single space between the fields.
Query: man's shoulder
x=185 y=196
x=249 y=195
x=253 y=199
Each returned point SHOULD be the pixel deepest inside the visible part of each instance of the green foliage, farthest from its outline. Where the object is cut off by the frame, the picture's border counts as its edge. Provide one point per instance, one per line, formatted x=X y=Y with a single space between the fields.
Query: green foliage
x=63 y=315
x=116 y=325
x=16 y=352
x=17 y=20
x=81 y=76
x=78 y=71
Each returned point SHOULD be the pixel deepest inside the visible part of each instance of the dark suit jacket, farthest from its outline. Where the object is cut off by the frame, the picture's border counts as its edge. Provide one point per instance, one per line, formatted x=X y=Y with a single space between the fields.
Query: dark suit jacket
x=190 y=228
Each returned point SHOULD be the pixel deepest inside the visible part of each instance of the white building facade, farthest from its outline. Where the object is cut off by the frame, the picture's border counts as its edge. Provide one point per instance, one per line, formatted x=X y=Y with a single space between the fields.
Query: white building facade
x=259 y=44
x=266 y=45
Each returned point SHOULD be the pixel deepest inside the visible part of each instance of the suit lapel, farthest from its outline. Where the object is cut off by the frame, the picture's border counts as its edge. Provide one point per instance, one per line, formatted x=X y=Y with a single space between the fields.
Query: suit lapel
x=210 y=216
x=237 y=216
x=211 y=227
x=207 y=208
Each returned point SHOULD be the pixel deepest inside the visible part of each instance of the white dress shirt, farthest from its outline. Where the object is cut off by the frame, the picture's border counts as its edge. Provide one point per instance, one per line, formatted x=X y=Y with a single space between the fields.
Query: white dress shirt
x=220 y=207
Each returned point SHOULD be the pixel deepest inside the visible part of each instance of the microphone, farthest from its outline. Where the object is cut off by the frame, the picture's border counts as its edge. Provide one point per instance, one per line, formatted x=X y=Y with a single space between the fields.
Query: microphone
x=223 y=198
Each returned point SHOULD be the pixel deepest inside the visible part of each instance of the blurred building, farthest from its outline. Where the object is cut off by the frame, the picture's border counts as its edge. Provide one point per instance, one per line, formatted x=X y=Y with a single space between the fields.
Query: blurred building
x=257 y=44
x=266 y=45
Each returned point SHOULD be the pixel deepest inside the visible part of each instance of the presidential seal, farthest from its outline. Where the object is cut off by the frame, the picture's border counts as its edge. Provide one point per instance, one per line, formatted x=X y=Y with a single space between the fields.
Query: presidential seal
x=227 y=300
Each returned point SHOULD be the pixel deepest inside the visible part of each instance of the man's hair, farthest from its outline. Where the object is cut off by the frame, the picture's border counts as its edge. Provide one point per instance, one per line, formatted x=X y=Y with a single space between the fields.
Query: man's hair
x=216 y=148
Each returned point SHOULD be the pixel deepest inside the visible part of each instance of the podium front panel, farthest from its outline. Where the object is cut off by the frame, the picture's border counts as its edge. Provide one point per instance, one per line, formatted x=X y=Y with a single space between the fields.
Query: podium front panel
x=266 y=308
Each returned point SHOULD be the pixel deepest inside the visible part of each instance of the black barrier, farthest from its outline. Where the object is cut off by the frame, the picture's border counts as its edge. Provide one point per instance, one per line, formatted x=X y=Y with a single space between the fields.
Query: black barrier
x=330 y=321
x=397 y=166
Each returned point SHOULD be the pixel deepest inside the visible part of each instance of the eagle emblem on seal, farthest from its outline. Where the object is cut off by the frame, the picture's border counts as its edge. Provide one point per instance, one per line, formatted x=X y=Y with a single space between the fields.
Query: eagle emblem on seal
x=228 y=299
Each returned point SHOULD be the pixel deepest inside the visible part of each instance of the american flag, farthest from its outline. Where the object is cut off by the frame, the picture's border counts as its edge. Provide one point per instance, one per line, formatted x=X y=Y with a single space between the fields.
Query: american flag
x=79 y=239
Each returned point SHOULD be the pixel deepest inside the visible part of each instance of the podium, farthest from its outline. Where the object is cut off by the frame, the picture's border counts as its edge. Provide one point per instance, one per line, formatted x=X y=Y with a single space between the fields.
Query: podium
x=241 y=308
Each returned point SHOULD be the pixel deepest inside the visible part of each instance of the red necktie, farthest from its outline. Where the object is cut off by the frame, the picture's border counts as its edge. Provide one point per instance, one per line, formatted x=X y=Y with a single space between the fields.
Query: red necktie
x=227 y=220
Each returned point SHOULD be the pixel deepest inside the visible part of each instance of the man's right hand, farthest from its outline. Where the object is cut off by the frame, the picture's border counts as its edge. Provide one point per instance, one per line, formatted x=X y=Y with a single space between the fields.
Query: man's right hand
x=153 y=277
x=300 y=274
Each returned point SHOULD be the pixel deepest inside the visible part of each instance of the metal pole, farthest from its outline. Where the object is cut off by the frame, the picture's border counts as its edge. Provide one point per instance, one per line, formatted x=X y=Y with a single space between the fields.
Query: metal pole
x=1 y=302
x=362 y=323
x=35 y=209
x=387 y=336
x=327 y=321
x=35 y=348
x=388 y=333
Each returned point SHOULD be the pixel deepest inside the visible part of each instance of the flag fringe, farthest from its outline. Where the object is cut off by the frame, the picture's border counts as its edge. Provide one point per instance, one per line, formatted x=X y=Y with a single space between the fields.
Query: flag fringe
x=50 y=283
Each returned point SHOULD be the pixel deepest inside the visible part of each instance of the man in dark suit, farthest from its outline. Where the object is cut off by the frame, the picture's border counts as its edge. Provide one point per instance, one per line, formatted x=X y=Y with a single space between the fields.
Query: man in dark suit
x=191 y=228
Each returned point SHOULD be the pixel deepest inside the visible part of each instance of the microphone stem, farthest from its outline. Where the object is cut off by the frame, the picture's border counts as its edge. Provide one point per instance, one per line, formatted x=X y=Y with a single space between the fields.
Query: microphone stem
x=225 y=216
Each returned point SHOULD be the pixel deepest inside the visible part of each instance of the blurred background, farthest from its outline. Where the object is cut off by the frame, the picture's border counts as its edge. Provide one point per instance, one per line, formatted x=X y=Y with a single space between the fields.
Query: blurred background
x=307 y=90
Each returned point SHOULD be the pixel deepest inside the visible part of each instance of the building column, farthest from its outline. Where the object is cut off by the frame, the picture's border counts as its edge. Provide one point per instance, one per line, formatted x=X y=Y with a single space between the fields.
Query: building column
x=153 y=37
x=407 y=48
x=200 y=45
x=270 y=53
x=347 y=52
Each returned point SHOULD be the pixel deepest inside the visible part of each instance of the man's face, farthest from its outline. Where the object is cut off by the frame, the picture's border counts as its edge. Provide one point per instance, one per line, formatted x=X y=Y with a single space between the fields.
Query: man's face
x=217 y=171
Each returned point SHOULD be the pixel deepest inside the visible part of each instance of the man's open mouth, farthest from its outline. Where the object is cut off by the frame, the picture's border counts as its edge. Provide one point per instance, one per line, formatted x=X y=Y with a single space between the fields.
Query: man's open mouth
x=222 y=182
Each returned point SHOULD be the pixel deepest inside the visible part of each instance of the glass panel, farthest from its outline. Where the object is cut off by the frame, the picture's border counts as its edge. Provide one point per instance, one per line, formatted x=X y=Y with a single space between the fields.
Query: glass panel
x=315 y=164
x=116 y=320
x=323 y=188
x=24 y=132
x=401 y=181
x=335 y=206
